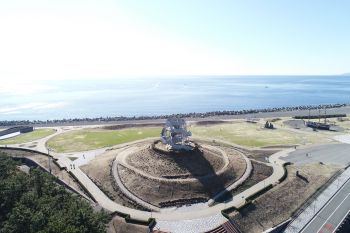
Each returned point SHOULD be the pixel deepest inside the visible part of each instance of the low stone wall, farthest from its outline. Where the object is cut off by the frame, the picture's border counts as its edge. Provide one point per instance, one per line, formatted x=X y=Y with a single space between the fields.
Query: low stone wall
x=21 y=129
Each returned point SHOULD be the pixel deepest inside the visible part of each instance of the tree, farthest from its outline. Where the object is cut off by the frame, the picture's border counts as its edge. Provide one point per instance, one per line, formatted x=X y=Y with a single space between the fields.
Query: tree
x=36 y=203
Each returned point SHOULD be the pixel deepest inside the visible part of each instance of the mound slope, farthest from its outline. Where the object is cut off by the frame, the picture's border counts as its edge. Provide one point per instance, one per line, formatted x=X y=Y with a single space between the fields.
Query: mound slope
x=178 y=179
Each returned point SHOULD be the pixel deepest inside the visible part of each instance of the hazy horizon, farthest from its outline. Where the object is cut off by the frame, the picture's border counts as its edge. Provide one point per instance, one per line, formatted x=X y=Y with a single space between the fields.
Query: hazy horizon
x=50 y=40
x=59 y=99
x=71 y=58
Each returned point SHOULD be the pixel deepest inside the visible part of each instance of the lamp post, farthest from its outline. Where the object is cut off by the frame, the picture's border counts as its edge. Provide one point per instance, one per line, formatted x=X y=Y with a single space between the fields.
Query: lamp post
x=48 y=153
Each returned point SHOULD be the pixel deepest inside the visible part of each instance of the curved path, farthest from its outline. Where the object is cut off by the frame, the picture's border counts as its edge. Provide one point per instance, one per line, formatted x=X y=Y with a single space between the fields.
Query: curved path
x=191 y=216
x=121 y=160
x=122 y=187
x=245 y=176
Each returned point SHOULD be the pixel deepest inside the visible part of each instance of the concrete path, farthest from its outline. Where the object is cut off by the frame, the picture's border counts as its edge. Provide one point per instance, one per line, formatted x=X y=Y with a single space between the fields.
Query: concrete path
x=191 y=225
x=336 y=153
x=246 y=174
x=103 y=200
x=167 y=218
x=83 y=157
x=129 y=194
x=345 y=138
x=11 y=135
x=121 y=160
x=122 y=156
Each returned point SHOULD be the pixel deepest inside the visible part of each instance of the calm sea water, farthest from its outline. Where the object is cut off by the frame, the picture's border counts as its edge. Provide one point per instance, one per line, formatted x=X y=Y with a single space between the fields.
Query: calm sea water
x=165 y=95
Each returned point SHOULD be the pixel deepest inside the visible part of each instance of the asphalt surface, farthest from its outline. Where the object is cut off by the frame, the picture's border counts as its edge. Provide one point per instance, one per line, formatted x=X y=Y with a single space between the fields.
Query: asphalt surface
x=345 y=226
x=332 y=214
x=328 y=154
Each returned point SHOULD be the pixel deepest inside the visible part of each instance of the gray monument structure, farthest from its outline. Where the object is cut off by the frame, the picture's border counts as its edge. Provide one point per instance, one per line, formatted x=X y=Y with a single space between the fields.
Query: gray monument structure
x=175 y=135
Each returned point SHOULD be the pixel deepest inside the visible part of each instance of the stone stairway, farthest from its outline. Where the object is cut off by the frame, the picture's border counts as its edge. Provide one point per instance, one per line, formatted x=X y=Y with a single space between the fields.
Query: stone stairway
x=227 y=227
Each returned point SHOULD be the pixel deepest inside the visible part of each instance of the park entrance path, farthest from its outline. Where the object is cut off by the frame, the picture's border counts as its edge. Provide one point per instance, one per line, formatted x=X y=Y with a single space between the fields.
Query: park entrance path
x=167 y=219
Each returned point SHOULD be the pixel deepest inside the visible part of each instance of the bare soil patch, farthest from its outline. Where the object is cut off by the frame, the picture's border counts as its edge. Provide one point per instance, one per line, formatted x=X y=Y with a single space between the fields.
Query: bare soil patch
x=189 y=165
x=278 y=204
x=260 y=172
x=119 y=225
x=259 y=155
x=99 y=171
x=161 y=193
x=176 y=192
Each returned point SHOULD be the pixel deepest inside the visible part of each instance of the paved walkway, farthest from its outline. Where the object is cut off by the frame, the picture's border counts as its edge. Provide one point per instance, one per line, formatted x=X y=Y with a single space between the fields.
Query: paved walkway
x=192 y=225
x=191 y=217
x=246 y=174
x=345 y=138
x=129 y=194
x=334 y=153
x=312 y=211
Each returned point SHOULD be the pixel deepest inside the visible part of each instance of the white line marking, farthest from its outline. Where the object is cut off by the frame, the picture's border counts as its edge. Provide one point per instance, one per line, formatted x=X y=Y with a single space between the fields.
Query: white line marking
x=342 y=221
x=327 y=203
x=333 y=213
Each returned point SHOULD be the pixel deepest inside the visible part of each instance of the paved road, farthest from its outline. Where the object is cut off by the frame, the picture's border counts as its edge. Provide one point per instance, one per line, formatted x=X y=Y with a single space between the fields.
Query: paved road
x=332 y=214
x=328 y=154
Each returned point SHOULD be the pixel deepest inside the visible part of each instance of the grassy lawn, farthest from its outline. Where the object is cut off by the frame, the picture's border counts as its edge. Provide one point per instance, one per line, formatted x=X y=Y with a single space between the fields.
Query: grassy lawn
x=27 y=137
x=89 y=139
x=253 y=135
x=241 y=133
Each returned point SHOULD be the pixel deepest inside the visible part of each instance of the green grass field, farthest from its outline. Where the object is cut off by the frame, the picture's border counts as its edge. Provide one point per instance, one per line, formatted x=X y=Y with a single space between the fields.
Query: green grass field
x=253 y=135
x=241 y=133
x=89 y=139
x=27 y=137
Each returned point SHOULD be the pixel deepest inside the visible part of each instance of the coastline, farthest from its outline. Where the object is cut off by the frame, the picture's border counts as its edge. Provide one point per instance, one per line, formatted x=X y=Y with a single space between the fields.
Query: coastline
x=208 y=116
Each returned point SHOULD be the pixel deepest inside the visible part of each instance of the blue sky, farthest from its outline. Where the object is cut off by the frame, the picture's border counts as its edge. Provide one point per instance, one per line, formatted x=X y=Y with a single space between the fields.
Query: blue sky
x=107 y=39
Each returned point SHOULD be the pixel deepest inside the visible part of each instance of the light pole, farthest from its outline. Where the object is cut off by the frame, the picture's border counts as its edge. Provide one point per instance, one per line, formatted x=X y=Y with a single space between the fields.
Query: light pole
x=48 y=153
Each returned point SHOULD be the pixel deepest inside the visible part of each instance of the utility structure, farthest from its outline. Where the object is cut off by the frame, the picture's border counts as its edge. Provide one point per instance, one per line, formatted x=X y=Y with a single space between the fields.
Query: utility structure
x=175 y=134
x=319 y=125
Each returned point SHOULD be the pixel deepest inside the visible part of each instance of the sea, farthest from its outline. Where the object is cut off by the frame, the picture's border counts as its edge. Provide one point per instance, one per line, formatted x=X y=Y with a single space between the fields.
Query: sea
x=147 y=96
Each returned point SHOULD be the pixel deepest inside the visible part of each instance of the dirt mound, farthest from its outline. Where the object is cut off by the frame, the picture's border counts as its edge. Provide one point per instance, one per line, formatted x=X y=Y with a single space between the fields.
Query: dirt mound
x=189 y=165
x=183 y=178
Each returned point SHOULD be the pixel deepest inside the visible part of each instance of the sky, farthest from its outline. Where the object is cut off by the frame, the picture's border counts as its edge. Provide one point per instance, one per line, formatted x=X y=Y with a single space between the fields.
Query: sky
x=84 y=39
x=43 y=41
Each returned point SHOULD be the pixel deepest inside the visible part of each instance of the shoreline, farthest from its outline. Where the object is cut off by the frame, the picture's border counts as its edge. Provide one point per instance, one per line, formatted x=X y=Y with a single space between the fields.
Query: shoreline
x=214 y=116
